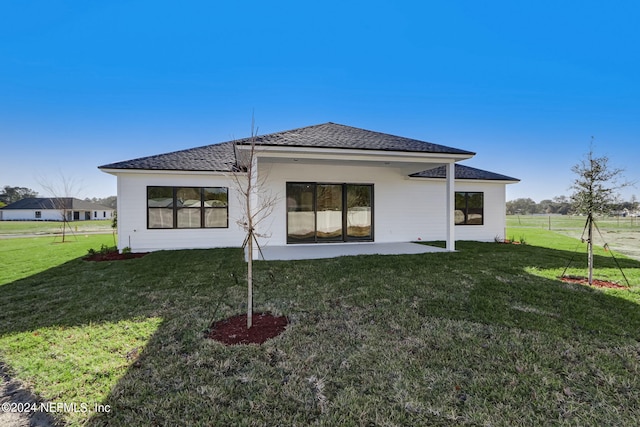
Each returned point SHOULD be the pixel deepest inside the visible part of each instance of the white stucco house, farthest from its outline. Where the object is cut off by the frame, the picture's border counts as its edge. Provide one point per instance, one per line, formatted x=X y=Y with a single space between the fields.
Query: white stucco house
x=334 y=184
x=54 y=209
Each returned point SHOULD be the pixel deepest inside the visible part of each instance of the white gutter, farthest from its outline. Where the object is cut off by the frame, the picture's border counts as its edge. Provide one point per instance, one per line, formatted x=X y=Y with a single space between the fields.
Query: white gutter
x=353 y=154
x=115 y=171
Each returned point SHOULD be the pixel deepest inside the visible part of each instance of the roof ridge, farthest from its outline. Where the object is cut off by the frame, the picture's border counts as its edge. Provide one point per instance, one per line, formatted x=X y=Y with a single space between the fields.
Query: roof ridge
x=283 y=132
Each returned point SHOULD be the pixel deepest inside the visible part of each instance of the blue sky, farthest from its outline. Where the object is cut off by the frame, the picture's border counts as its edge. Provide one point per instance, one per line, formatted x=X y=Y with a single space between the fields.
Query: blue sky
x=524 y=84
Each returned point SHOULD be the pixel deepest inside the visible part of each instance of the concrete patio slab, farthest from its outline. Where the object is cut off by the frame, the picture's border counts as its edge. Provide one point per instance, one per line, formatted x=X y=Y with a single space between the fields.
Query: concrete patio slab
x=333 y=250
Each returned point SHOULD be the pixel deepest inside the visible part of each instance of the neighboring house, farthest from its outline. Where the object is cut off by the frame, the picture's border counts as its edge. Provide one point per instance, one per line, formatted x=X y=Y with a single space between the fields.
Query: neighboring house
x=54 y=209
x=335 y=184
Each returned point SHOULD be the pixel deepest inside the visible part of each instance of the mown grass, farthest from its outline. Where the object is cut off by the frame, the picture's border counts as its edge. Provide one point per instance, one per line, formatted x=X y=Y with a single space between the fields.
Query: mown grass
x=622 y=234
x=27 y=256
x=483 y=336
x=561 y=222
x=53 y=227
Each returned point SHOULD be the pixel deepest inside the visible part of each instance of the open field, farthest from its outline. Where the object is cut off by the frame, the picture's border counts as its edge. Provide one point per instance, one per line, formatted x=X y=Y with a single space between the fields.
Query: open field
x=622 y=234
x=563 y=222
x=483 y=336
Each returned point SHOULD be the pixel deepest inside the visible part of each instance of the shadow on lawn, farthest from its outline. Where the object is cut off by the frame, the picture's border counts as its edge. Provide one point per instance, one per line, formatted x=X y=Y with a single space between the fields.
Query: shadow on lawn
x=189 y=289
x=534 y=302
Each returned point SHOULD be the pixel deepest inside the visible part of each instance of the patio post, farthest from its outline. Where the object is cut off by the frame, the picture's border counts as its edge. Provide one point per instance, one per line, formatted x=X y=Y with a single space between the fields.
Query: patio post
x=450 y=237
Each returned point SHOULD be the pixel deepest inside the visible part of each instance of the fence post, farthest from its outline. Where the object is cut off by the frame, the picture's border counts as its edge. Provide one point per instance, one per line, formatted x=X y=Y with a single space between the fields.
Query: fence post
x=549 y=222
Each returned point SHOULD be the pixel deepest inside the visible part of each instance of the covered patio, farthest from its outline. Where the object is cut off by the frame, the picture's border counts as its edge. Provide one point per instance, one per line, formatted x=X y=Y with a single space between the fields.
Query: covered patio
x=333 y=250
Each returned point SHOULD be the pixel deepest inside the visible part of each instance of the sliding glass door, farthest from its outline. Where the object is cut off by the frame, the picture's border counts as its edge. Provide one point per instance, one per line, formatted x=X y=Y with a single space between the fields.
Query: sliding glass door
x=318 y=212
x=301 y=208
x=328 y=212
x=359 y=209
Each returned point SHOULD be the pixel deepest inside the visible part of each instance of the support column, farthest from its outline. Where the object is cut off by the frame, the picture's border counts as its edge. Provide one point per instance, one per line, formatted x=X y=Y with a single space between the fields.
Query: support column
x=450 y=237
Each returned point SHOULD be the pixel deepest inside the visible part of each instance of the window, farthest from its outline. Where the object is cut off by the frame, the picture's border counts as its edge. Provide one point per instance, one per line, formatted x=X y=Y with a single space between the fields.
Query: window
x=95 y=214
x=469 y=208
x=216 y=207
x=38 y=214
x=319 y=213
x=187 y=207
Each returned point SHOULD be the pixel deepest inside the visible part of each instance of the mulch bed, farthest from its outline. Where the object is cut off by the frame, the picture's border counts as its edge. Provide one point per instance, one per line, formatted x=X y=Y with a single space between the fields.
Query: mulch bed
x=114 y=256
x=234 y=330
x=595 y=282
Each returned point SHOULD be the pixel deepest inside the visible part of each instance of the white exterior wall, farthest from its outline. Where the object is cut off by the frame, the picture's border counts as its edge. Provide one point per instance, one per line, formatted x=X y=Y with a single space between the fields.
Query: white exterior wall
x=50 y=215
x=30 y=215
x=132 y=214
x=101 y=214
x=494 y=211
x=404 y=209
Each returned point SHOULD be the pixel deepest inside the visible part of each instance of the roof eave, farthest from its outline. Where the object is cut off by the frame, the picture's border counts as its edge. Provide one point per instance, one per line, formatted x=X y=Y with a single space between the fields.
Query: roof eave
x=482 y=180
x=330 y=152
x=117 y=171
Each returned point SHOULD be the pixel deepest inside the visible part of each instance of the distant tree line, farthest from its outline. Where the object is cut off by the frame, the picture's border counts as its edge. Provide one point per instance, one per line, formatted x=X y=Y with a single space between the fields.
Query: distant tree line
x=13 y=194
x=110 y=202
x=563 y=205
x=10 y=194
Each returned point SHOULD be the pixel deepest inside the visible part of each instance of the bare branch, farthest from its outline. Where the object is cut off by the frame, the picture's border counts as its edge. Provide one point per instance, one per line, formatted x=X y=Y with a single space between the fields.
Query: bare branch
x=61 y=192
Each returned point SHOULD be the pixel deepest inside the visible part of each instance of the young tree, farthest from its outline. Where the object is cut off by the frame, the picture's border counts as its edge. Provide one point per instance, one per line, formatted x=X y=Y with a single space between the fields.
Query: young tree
x=595 y=191
x=256 y=204
x=61 y=192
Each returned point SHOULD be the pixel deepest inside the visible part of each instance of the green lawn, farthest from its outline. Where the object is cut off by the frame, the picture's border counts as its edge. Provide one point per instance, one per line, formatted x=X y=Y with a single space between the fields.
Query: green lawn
x=52 y=227
x=621 y=234
x=560 y=222
x=27 y=256
x=483 y=336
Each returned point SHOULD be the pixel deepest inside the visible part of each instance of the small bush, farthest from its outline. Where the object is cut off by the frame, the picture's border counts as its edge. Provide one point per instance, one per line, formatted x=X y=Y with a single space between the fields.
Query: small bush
x=104 y=249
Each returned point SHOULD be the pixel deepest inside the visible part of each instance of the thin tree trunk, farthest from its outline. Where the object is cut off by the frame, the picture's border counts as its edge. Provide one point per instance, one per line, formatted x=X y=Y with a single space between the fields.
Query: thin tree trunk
x=250 y=282
x=590 y=249
x=64 y=224
x=249 y=206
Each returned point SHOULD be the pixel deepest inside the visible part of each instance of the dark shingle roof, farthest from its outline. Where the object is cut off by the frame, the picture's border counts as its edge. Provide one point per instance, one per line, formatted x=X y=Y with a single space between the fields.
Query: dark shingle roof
x=463 y=172
x=332 y=135
x=55 y=203
x=216 y=158
x=221 y=157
